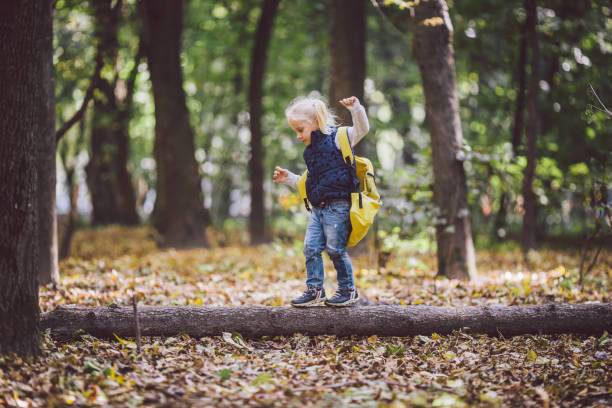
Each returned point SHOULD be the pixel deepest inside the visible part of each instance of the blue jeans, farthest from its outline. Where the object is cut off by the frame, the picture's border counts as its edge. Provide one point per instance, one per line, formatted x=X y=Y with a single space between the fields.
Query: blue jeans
x=328 y=229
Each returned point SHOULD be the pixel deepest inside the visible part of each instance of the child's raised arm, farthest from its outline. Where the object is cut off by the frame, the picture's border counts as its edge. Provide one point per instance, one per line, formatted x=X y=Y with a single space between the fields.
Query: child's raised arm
x=361 y=126
x=285 y=176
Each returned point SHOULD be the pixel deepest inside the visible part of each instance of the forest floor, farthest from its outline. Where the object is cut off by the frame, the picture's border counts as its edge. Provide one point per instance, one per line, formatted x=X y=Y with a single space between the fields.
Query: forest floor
x=459 y=370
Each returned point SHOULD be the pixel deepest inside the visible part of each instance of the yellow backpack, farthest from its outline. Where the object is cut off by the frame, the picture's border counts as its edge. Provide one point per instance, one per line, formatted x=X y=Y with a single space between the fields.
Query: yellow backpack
x=366 y=202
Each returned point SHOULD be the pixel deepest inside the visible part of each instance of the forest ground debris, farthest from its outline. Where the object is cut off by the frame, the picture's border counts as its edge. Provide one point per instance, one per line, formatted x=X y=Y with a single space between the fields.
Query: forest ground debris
x=457 y=370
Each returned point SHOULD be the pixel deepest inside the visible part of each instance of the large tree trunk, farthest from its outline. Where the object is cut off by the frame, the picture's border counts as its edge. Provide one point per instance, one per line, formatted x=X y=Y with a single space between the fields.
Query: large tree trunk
x=347 y=41
x=256 y=321
x=109 y=182
x=179 y=210
x=48 y=271
x=529 y=218
x=25 y=78
x=257 y=220
x=433 y=49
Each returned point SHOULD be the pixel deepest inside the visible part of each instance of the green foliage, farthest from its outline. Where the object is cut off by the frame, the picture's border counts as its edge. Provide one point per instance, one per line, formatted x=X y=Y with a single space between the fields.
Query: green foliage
x=574 y=141
x=225 y=373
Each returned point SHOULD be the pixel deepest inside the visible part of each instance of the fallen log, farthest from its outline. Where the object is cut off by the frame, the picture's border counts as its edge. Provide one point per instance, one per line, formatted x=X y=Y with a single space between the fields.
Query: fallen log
x=257 y=321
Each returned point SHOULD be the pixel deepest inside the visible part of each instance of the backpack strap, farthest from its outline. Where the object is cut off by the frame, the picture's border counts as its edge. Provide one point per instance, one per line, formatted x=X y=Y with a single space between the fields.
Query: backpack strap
x=345 y=146
x=347 y=153
x=301 y=185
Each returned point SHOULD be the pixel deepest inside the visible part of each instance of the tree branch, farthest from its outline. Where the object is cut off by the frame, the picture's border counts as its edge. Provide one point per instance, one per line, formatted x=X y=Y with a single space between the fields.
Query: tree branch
x=88 y=97
x=385 y=18
x=605 y=110
x=131 y=80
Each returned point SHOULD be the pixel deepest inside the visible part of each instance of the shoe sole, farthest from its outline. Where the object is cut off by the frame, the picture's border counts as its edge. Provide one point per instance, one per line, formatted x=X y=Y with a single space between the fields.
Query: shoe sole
x=312 y=303
x=347 y=303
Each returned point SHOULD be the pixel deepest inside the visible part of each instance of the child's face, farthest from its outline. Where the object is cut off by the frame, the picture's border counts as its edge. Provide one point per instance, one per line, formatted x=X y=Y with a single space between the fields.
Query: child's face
x=303 y=129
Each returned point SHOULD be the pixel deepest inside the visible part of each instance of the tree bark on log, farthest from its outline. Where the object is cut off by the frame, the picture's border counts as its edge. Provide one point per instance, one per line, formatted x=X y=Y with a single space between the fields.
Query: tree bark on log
x=257 y=321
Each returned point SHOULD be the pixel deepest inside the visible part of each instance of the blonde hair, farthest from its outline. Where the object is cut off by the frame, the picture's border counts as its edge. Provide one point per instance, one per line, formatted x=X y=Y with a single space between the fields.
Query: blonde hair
x=314 y=109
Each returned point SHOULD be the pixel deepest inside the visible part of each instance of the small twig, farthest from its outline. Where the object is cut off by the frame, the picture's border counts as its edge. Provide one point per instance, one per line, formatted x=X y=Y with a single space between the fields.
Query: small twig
x=167 y=392
x=500 y=334
x=584 y=254
x=600 y=102
x=581 y=272
x=135 y=304
x=435 y=292
x=597 y=395
x=340 y=385
x=595 y=258
x=432 y=388
x=599 y=109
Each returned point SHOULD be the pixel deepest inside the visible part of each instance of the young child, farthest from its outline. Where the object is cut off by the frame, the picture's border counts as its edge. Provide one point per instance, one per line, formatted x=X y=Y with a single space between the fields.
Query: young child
x=328 y=187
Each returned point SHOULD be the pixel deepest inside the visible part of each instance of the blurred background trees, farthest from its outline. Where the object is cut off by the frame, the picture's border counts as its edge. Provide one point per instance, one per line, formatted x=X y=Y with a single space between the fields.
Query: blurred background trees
x=531 y=149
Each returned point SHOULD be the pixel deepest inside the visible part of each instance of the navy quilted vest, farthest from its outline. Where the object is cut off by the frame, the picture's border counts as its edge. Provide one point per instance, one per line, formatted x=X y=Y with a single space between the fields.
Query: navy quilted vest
x=329 y=177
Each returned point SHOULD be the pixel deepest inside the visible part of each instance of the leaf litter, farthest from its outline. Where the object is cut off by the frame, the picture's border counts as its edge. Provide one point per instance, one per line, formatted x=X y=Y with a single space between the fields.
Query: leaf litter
x=457 y=370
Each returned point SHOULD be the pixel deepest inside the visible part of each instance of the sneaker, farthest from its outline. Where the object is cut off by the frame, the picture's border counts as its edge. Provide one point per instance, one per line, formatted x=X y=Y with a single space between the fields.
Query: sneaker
x=311 y=297
x=343 y=297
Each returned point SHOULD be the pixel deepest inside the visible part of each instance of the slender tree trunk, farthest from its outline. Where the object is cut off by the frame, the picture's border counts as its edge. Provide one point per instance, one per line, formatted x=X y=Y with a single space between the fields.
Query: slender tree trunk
x=517 y=131
x=257 y=321
x=222 y=192
x=257 y=220
x=179 y=210
x=69 y=165
x=529 y=218
x=25 y=78
x=73 y=188
x=109 y=182
x=223 y=188
x=47 y=217
x=347 y=40
x=433 y=49
x=126 y=199
x=500 y=217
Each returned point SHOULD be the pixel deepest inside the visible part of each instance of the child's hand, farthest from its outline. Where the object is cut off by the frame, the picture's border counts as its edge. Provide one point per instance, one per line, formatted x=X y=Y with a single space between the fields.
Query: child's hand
x=346 y=102
x=280 y=175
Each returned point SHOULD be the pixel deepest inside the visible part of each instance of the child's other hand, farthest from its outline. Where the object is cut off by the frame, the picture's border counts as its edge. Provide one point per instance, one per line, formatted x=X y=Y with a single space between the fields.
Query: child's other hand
x=350 y=101
x=280 y=174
